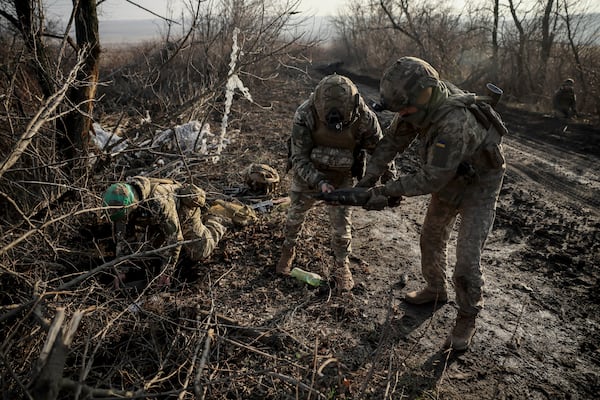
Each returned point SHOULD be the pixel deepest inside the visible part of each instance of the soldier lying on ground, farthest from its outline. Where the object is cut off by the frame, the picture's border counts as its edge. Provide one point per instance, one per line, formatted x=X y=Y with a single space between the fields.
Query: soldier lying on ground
x=169 y=213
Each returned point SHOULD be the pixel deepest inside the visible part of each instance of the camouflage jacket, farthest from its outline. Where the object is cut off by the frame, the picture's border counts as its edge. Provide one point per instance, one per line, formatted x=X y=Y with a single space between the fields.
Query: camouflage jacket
x=564 y=99
x=307 y=173
x=157 y=212
x=452 y=135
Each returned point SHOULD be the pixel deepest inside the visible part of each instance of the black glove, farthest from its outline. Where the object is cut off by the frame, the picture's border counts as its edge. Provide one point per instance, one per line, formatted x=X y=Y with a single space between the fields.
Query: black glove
x=378 y=199
x=394 y=201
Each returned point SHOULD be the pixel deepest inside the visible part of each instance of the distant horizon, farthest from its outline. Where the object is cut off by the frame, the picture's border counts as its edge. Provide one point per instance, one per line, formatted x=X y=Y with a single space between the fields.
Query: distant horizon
x=131 y=31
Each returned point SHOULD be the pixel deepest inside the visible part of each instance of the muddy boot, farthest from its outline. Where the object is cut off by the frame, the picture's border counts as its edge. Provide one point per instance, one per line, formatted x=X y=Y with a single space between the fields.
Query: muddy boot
x=427 y=295
x=463 y=331
x=343 y=277
x=284 y=266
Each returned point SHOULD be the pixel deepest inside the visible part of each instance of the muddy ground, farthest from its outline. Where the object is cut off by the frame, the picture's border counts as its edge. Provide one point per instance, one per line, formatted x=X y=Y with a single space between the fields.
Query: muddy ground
x=231 y=329
x=538 y=336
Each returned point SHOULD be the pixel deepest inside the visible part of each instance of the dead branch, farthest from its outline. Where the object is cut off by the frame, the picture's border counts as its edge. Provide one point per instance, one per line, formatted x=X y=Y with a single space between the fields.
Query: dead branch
x=47 y=378
x=43 y=116
x=205 y=352
x=298 y=384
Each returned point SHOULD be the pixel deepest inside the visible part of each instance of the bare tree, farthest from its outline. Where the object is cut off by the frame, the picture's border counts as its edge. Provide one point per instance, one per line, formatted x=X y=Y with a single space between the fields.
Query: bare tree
x=28 y=17
x=77 y=124
x=582 y=33
x=548 y=31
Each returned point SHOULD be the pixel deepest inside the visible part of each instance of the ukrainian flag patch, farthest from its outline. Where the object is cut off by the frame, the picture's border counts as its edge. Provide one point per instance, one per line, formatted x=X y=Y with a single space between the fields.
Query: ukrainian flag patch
x=439 y=154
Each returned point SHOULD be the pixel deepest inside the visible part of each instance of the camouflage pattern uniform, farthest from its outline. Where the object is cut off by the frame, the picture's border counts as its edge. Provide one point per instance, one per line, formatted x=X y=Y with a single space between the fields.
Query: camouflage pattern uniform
x=463 y=169
x=169 y=215
x=564 y=100
x=320 y=154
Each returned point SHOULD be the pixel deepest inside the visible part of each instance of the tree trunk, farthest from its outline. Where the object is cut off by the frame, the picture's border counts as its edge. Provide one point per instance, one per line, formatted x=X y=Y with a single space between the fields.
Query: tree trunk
x=547 y=43
x=32 y=35
x=495 y=46
x=78 y=122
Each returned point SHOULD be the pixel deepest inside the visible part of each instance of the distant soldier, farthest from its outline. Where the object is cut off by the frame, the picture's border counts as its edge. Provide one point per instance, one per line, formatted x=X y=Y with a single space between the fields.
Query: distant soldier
x=169 y=213
x=329 y=132
x=564 y=100
x=463 y=168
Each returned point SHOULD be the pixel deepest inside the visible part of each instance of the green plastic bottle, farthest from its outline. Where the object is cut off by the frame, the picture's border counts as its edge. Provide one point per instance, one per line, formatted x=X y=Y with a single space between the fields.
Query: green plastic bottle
x=308 y=277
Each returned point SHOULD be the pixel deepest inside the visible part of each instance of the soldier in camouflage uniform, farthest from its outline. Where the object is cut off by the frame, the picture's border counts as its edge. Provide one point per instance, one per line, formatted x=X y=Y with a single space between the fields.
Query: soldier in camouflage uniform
x=170 y=212
x=463 y=168
x=330 y=130
x=564 y=100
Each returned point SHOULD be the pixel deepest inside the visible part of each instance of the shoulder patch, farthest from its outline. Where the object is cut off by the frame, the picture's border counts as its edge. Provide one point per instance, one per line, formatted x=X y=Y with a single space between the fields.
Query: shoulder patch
x=440 y=154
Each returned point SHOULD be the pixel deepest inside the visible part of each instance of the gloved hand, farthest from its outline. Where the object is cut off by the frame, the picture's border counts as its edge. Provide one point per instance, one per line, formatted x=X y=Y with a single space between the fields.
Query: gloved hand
x=118 y=280
x=378 y=199
x=239 y=214
x=326 y=187
x=164 y=280
x=394 y=201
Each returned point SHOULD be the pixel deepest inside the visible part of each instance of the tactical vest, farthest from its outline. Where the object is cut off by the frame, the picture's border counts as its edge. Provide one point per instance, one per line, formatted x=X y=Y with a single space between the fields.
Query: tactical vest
x=488 y=156
x=334 y=151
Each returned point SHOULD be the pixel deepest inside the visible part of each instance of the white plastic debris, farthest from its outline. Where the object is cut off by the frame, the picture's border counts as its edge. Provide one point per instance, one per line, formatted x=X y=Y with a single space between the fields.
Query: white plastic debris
x=104 y=140
x=189 y=138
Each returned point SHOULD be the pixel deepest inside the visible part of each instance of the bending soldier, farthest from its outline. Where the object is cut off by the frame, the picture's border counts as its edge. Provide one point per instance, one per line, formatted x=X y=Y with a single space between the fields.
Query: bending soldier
x=329 y=132
x=463 y=168
x=170 y=213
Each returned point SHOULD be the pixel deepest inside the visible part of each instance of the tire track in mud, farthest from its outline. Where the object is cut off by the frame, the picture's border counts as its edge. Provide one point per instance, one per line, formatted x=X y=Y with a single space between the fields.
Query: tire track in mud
x=573 y=177
x=530 y=164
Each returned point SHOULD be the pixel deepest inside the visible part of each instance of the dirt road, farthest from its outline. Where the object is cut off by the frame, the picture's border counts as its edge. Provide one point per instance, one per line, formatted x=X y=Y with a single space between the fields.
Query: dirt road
x=538 y=337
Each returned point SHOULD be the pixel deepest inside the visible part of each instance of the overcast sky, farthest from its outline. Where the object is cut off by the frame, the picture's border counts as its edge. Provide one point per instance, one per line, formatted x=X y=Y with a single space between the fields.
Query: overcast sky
x=121 y=9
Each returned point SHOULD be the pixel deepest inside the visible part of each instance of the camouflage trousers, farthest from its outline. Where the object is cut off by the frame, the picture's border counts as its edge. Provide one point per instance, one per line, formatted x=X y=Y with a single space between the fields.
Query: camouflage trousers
x=340 y=220
x=477 y=211
x=206 y=235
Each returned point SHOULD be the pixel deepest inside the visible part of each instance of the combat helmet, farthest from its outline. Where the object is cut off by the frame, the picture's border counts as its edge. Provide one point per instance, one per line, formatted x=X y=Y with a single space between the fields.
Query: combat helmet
x=336 y=101
x=569 y=82
x=121 y=195
x=261 y=178
x=404 y=80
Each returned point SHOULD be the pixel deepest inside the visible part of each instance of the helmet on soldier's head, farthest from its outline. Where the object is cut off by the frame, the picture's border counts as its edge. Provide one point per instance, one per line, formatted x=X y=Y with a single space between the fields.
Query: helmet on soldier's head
x=121 y=195
x=404 y=80
x=336 y=101
x=569 y=82
x=261 y=178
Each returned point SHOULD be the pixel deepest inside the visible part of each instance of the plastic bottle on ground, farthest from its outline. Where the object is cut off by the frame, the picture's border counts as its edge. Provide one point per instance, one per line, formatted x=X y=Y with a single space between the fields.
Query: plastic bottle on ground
x=308 y=277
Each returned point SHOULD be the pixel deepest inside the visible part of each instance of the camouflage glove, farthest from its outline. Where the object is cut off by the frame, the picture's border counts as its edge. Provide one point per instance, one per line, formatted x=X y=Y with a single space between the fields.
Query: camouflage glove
x=239 y=214
x=192 y=196
x=378 y=200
